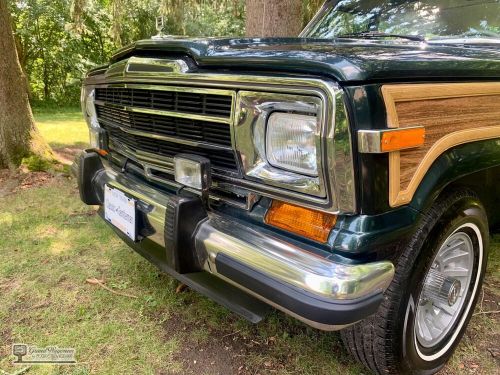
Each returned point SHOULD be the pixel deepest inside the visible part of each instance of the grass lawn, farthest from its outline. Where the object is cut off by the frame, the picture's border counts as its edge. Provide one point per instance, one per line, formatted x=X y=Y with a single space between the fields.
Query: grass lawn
x=62 y=128
x=50 y=244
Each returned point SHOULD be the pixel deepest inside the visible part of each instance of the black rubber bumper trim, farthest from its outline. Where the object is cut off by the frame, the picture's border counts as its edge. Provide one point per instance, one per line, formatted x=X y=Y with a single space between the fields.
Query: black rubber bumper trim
x=87 y=165
x=311 y=307
x=204 y=283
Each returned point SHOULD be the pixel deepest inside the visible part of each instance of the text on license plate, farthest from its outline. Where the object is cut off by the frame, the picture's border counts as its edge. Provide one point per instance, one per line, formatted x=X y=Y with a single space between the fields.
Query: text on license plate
x=120 y=210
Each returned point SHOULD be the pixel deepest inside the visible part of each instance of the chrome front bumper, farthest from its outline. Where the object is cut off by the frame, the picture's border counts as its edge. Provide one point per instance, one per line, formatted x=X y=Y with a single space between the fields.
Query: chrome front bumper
x=315 y=289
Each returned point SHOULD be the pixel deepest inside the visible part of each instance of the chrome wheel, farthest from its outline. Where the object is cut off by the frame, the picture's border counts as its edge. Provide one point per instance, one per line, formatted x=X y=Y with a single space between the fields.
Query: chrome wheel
x=445 y=288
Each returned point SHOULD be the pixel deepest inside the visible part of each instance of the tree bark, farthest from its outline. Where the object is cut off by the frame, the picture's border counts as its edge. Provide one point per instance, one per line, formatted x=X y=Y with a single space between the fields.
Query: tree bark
x=19 y=136
x=281 y=18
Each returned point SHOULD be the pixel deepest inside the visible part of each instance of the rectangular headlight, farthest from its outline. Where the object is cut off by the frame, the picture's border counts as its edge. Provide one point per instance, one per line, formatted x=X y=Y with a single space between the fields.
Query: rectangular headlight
x=291 y=142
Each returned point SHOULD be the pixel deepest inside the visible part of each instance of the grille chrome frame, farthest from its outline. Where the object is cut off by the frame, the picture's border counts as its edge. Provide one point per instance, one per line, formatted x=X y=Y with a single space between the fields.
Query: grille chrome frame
x=165 y=163
x=338 y=158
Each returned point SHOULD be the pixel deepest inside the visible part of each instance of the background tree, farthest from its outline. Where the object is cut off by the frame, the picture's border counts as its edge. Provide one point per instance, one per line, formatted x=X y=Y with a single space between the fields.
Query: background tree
x=18 y=134
x=273 y=18
x=58 y=40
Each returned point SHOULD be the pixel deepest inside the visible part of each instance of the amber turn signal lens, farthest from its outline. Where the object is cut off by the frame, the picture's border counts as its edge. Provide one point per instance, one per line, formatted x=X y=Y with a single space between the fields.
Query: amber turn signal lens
x=101 y=152
x=302 y=221
x=401 y=139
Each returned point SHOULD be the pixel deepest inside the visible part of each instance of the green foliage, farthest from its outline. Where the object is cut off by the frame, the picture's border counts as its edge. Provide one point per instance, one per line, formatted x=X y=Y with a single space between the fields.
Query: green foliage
x=52 y=55
x=221 y=18
x=309 y=9
x=35 y=163
x=59 y=40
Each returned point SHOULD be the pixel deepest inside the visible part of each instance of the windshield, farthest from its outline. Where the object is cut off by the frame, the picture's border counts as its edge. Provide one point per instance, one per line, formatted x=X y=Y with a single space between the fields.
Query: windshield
x=432 y=19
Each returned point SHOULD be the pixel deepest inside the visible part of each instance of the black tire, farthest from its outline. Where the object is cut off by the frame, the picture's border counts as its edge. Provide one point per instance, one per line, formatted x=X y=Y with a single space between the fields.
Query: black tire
x=386 y=342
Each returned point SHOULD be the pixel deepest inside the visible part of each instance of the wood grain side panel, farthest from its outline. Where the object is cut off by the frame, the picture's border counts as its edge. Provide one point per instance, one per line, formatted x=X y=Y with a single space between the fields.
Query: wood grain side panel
x=452 y=114
x=441 y=117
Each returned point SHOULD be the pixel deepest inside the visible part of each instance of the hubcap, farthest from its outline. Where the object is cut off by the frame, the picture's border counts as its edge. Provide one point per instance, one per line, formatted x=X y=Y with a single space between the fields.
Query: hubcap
x=444 y=290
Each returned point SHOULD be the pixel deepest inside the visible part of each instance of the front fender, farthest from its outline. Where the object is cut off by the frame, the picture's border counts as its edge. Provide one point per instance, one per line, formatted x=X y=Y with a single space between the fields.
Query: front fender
x=475 y=165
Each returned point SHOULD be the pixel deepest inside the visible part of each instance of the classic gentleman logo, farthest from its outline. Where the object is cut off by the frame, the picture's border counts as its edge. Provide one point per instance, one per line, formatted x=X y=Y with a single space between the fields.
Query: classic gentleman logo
x=31 y=354
x=19 y=350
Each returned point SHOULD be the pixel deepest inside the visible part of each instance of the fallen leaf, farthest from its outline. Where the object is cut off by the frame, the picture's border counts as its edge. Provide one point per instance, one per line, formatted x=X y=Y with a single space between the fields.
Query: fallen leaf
x=180 y=288
x=94 y=281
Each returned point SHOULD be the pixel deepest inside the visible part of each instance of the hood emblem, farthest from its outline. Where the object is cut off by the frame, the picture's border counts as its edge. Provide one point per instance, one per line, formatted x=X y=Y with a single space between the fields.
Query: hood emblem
x=160 y=25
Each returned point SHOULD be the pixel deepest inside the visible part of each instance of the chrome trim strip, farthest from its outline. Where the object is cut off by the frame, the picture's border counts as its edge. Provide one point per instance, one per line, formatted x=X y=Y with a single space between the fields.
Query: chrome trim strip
x=140 y=133
x=319 y=14
x=154 y=159
x=141 y=156
x=370 y=141
x=168 y=66
x=191 y=116
x=340 y=157
x=152 y=67
x=311 y=323
x=289 y=263
x=219 y=81
x=196 y=90
x=161 y=112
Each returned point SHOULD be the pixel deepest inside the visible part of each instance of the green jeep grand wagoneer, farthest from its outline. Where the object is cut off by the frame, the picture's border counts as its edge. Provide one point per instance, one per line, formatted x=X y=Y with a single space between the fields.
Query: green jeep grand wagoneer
x=349 y=177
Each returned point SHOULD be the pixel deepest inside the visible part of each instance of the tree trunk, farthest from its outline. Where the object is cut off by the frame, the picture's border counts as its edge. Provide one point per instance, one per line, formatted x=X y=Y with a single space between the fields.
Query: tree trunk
x=273 y=18
x=19 y=136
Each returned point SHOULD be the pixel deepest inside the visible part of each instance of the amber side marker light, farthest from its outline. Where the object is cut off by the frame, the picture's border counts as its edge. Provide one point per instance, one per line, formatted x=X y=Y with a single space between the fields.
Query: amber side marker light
x=302 y=221
x=402 y=139
x=389 y=140
x=101 y=152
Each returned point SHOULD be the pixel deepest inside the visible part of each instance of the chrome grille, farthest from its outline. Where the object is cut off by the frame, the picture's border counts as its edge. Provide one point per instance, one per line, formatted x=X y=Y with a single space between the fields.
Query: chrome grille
x=187 y=129
x=157 y=123
x=140 y=145
x=183 y=102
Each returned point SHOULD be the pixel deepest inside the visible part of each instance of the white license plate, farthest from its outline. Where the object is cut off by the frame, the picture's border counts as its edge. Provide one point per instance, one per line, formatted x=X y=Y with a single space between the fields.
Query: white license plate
x=120 y=210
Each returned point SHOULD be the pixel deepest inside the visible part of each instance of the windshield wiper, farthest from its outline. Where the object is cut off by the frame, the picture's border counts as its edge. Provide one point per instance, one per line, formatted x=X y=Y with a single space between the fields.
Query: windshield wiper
x=377 y=34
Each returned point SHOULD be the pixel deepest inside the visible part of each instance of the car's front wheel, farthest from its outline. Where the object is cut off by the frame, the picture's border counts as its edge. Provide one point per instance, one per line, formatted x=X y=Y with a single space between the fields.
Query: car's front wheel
x=432 y=297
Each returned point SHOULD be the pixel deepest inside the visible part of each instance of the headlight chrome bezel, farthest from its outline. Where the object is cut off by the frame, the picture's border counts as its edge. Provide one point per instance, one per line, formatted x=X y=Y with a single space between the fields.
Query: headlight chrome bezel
x=253 y=110
x=97 y=135
x=88 y=107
